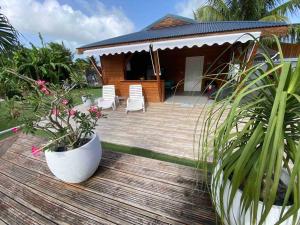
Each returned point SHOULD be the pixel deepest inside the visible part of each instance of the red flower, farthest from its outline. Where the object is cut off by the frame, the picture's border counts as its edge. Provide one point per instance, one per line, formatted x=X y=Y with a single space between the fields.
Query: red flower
x=55 y=112
x=98 y=114
x=64 y=101
x=44 y=90
x=35 y=151
x=72 y=112
x=15 y=129
x=41 y=82
x=93 y=109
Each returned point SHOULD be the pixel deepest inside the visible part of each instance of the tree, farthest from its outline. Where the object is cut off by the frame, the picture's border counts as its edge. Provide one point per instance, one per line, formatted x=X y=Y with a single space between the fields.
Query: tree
x=263 y=10
x=8 y=35
x=52 y=61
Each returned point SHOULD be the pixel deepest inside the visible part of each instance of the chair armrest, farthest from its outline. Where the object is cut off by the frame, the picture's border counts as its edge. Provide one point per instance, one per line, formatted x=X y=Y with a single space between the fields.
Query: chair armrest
x=100 y=99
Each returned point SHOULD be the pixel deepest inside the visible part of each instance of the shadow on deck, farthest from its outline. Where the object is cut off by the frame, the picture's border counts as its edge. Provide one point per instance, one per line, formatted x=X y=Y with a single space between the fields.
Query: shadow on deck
x=125 y=189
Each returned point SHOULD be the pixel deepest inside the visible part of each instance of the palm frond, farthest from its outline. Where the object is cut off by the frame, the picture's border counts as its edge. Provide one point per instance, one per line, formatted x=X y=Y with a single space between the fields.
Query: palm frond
x=8 y=35
x=289 y=7
x=256 y=141
x=209 y=13
x=275 y=18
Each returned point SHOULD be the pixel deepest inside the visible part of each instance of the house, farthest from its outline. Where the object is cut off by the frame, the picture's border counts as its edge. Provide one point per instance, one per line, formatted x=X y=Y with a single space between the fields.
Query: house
x=175 y=52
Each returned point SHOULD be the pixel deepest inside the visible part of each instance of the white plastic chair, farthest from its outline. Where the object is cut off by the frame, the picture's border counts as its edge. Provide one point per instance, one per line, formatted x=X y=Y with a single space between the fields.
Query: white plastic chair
x=136 y=99
x=109 y=97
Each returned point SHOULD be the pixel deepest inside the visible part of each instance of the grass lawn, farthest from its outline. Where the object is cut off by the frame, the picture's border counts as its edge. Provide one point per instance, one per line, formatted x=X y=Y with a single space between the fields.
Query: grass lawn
x=148 y=154
x=6 y=122
x=77 y=93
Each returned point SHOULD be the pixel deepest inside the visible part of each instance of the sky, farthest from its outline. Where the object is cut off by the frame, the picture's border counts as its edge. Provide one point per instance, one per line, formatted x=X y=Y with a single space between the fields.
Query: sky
x=79 y=22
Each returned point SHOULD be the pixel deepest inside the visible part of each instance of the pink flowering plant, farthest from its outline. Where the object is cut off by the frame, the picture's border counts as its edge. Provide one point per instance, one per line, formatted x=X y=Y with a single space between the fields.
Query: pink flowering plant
x=53 y=113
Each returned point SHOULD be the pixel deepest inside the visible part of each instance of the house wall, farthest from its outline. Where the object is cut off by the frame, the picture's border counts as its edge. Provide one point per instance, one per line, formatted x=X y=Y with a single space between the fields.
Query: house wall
x=290 y=50
x=172 y=63
x=113 y=70
x=216 y=58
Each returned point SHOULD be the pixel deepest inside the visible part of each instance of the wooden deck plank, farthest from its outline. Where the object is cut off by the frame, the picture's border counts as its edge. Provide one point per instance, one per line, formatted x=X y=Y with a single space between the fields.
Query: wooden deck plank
x=151 y=201
x=50 y=208
x=2 y=222
x=136 y=181
x=126 y=189
x=152 y=169
x=152 y=164
x=94 y=205
x=12 y=212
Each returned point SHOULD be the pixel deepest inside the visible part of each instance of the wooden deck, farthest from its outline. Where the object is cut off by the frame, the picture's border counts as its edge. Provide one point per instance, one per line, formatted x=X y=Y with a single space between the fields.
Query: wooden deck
x=163 y=128
x=126 y=189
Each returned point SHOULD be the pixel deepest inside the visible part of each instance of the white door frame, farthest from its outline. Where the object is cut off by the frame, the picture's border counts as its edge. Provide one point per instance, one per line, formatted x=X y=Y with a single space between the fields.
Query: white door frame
x=193 y=73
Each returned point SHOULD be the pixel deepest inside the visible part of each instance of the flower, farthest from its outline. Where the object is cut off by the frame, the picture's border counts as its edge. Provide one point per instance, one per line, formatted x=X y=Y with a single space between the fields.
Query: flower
x=72 y=112
x=35 y=151
x=44 y=90
x=93 y=109
x=55 y=112
x=98 y=114
x=15 y=129
x=41 y=82
x=65 y=101
x=42 y=87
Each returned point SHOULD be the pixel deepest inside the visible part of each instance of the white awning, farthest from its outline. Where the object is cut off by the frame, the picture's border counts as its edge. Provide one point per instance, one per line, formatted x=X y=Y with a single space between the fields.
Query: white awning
x=206 y=40
x=118 y=49
x=176 y=43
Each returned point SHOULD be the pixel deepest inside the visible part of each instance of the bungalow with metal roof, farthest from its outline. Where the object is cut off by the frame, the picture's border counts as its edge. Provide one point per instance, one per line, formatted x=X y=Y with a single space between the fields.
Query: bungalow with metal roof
x=176 y=52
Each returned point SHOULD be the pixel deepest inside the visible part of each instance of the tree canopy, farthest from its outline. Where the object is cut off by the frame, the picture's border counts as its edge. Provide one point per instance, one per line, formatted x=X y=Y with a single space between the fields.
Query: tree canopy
x=264 y=10
x=246 y=10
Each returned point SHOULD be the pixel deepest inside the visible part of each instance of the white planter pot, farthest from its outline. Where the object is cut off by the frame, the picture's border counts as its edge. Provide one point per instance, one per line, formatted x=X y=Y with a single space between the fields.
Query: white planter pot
x=77 y=165
x=236 y=217
x=87 y=102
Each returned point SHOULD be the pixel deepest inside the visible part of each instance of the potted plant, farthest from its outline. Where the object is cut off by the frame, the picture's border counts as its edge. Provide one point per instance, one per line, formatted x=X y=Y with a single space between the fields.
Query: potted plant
x=255 y=149
x=73 y=152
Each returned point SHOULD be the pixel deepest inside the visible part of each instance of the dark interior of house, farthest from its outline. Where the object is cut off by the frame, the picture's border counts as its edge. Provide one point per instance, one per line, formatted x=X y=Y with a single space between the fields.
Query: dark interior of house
x=139 y=67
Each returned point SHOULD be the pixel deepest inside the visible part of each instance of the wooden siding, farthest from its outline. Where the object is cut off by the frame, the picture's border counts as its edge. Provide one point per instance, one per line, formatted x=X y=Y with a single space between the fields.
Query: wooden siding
x=113 y=73
x=150 y=89
x=168 y=22
x=290 y=50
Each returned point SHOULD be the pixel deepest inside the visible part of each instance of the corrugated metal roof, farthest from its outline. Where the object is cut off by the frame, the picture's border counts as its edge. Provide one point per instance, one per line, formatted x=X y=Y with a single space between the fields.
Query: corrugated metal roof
x=184 y=30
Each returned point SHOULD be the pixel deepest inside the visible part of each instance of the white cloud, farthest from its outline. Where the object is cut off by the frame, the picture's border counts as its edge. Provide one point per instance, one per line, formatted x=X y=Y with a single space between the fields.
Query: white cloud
x=61 y=22
x=186 y=7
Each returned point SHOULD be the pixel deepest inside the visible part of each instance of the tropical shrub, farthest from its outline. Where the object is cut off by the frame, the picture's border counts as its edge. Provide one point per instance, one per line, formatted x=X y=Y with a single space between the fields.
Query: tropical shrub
x=14 y=109
x=256 y=133
x=51 y=62
x=53 y=113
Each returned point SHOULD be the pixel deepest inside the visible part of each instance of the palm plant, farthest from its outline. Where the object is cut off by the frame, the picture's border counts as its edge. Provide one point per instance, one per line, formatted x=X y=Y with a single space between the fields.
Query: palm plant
x=226 y=10
x=256 y=133
x=8 y=35
x=240 y=10
x=52 y=61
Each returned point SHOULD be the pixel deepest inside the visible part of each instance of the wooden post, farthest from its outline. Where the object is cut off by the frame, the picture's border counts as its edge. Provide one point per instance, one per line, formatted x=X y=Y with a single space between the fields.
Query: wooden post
x=252 y=55
x=98 y=70
x=157 y=73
